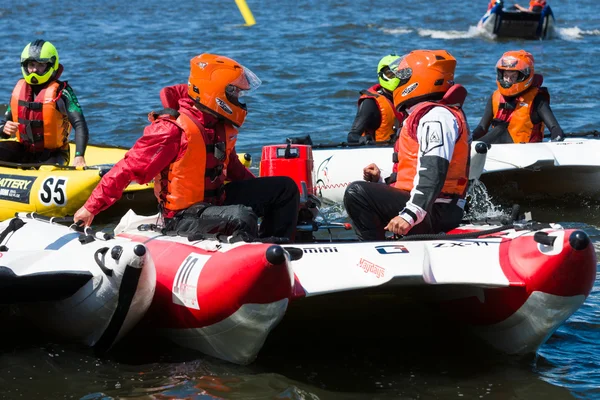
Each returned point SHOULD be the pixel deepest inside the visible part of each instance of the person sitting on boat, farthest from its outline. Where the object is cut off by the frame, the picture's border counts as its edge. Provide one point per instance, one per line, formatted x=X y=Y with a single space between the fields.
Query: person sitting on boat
x=190 y=152
x=376 y=118
x=535 y=6
x=42 y=111
x=427 y=191
x=520 y=108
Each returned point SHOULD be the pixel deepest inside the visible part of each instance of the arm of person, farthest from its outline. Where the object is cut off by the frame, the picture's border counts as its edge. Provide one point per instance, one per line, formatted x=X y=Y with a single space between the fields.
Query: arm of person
x=437 y=134
x=368 y=118
x=544 y=113
x=236 y=170
x=484 y=124
x=152 y=153
x=521 y=8
x=8 y=128
x=69 y=105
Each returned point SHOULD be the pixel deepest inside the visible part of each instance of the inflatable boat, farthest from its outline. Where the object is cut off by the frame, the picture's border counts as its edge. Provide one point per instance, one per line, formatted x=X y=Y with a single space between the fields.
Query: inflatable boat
x=80 y=288
x=512 y=285
x=512 y=23
x=511 y=171
x=57 y=191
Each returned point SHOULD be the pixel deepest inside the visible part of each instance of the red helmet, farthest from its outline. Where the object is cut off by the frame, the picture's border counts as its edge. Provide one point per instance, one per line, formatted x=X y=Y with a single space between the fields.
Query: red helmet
x=217 y=83
x=424 y=75
x=520 y=61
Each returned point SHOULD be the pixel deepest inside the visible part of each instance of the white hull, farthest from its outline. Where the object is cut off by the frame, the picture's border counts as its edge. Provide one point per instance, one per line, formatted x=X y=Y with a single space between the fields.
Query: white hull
x=57 y=284
x=511 y=170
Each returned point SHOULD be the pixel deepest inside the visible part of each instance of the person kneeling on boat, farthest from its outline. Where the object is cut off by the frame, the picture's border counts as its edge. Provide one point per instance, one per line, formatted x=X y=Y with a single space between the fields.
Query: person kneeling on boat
x=190 y=152
x=41 y=112
x=426 y=193
x=519 y=109
x=376 y=118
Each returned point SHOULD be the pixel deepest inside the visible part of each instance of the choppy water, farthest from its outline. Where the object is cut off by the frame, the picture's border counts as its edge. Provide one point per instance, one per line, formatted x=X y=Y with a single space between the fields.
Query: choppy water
x=313 y=57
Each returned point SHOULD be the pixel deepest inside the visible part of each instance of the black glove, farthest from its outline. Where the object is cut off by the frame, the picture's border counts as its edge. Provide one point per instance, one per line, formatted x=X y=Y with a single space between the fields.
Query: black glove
x=365 y=139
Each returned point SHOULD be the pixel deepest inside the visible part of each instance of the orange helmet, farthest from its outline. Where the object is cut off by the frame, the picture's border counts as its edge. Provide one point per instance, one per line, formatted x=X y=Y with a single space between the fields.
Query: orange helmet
x=424 y=75
x=520 y=61
x=216 y=83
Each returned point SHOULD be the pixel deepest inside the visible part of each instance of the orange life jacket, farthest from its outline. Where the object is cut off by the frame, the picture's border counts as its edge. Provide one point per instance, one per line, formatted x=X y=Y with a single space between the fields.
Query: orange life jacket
x=532 y=4
x=41 y=124
x=199 y=172
x=389 y=119
x=520 y=127
x=407 y=149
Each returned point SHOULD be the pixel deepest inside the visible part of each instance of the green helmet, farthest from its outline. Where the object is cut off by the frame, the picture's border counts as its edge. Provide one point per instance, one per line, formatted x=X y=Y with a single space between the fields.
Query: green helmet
x=42 y=52
x=388 y=81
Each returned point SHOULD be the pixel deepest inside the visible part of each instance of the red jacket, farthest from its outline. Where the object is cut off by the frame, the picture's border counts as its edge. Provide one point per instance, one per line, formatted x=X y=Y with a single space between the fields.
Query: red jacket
x=161 y=144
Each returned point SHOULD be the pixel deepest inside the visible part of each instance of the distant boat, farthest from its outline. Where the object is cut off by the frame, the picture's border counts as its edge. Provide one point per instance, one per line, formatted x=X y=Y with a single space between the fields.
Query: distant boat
x=518 y=24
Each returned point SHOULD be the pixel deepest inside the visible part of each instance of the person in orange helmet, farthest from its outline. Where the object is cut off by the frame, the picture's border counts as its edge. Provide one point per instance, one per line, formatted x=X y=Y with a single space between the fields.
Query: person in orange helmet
x=519 y=109
x=535 y=6
x=190 y=152
x=426 y=193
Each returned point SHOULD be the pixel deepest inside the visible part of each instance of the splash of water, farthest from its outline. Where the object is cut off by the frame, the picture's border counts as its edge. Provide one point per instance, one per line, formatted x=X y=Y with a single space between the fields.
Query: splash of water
x=480 y=203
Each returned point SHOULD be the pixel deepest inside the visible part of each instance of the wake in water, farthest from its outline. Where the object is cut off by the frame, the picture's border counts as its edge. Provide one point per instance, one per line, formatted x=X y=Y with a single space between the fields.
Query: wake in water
x=575 y=33
x=568 y=34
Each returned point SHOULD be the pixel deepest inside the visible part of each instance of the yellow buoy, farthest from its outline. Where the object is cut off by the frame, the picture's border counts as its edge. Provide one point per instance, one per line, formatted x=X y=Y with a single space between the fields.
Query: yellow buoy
x=246 y=13
x=246 y=159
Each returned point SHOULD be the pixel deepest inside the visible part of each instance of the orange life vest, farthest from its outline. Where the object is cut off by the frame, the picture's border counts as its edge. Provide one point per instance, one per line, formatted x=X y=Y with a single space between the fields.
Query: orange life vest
x=520 y=127
x=199 y=172
x=41 y=124
x=532 y=4
x=407 y=149
x=388 y=125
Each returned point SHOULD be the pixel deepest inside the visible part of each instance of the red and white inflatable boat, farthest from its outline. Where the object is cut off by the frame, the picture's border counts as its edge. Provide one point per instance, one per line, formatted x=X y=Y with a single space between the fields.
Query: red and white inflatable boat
x=513 y=288
x=512 y=285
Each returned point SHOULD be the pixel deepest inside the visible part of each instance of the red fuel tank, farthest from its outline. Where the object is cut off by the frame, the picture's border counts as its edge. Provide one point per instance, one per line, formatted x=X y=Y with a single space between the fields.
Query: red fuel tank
x=293 y=160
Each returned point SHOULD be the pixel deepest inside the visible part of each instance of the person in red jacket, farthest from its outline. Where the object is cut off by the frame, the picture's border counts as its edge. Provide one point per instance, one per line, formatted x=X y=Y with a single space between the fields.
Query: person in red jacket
x=190 y=153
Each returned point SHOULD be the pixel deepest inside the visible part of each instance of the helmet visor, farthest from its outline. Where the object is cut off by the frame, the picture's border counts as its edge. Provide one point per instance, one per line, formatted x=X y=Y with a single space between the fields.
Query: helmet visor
x=244 y=85
x=401 y=70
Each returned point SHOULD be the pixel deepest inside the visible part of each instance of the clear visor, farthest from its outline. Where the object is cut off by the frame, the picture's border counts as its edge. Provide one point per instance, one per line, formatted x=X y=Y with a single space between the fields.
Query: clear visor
x=401 y=70
x=246 y=83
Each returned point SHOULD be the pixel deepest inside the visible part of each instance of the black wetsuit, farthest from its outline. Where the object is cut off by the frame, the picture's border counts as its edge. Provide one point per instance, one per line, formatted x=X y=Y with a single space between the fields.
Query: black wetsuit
x=368 y=119
x=68 y=105
x=499 y=134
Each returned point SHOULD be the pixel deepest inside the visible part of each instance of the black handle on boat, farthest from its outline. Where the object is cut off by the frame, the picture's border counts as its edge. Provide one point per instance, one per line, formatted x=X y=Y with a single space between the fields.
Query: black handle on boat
x=544 y=238
x=102 y=251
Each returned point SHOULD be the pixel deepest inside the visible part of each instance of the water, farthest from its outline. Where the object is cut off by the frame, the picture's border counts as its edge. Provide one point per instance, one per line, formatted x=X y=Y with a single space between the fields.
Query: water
x=313 y=57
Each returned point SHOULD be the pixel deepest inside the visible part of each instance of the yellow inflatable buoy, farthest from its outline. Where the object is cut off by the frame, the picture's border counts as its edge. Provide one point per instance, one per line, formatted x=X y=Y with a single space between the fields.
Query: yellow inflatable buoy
x=246 y=159
x=245 y=11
